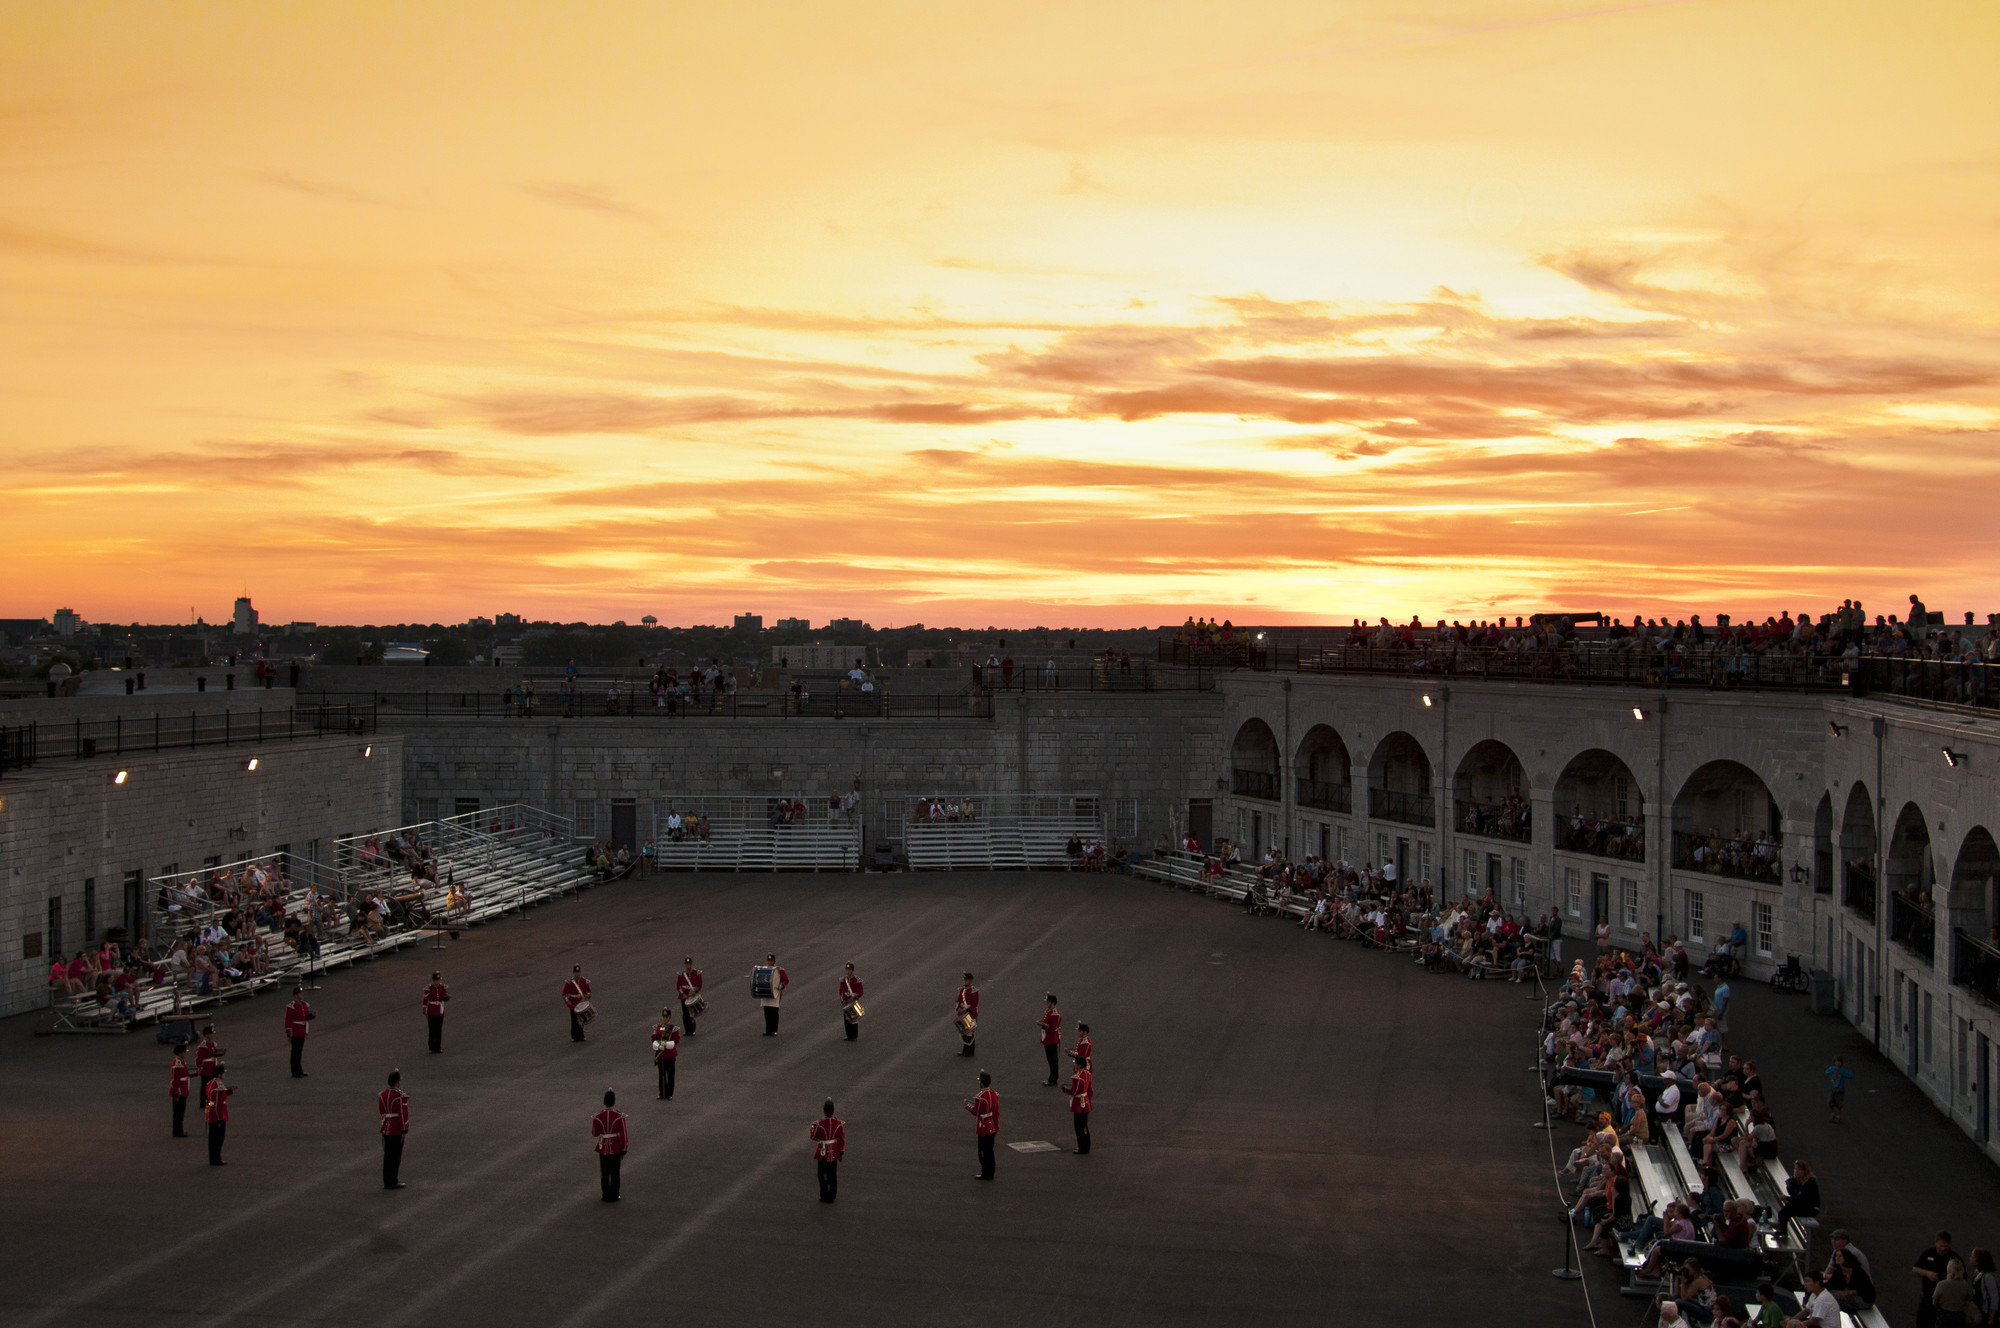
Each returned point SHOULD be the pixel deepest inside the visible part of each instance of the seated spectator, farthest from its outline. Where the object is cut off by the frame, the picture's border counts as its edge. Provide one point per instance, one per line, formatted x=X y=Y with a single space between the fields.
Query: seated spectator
x=1694 y=1290
x=1817 y=1308
x=1801 y=1193
x=1848 y=1279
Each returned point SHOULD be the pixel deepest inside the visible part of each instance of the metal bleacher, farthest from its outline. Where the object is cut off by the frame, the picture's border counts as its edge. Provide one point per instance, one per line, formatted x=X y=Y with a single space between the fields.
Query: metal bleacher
x=753 y=834
x=977 y=832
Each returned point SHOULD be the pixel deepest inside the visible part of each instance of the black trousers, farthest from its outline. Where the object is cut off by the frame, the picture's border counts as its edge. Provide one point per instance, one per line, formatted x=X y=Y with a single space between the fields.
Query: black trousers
x=392 y=1159
x=829 y=1180
x=969 y=1042
x=607 y=1174
x=436 y=1021
x=298 y=1057
x=770 y=1020
x=687 y=1020
x=216 y=1129
x=666 y=1064
x=853 y=1028
x=1081 y=1120
x=1051 y=1051
x=180 y=1116
x=575 y=1027
x=986 y=1156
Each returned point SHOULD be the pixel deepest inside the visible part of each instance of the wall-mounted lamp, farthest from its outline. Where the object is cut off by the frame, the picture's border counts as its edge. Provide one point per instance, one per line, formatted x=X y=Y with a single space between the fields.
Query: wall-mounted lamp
x=250 y=764
x=121 y=776
x=368 y=751
x=1838 y=730
x=1798 y=873
x=1952 y=758
x=1637 y=713
x=1427 y=700
x=1220 y=783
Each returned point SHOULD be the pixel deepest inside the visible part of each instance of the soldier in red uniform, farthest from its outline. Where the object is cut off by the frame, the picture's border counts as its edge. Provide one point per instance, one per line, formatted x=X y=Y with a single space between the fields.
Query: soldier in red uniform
x=297 y=1015
x=435 y=996
x=575 y=992
x=850 y=992
x=666 y=1051
x=1051 y=1026
x=207 y=1060
x=985 y=1109
x=967 y=1007
x=1082 y=1047
x=215 y=1107
x=608 y=1136
x=829 y=1141
x=177 y=1089
x=392 y=1104
x=687 y=986
x=1078 y=1089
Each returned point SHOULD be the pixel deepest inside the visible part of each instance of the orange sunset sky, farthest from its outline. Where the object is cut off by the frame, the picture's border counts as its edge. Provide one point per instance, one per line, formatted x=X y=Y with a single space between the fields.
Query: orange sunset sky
x=998 y=313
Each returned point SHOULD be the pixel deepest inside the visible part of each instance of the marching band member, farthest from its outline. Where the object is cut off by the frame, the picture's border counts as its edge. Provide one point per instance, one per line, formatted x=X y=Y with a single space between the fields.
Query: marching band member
x=850 y=992
x=666 y=1051
x=435 y=996
x=177 y=1089
x=985 y=1109
x=215 y=1108
x=296 y=1016
x=392 y=1104
x=781 y=980
x=1082 y=1047
x=608 y=1136
x=575 y=992
x=208 y=1060
x=1051 y=1026
x=968 y=1006
x=687 y=986
x=1078 y=1089
x=829 y=1141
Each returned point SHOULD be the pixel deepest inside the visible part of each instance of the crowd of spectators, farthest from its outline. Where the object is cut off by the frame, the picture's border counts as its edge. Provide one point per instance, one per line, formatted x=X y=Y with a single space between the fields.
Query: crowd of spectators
x=1752 y=856
x=1505 y=818
x=1606 y=835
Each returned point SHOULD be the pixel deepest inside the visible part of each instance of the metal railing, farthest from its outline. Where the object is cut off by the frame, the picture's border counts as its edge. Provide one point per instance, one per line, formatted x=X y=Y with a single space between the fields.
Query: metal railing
x=17 y=747
x=1255 y=784
x=1734 y=856
x=23 y=745
x=1323 y=796
x=1408 y=808
x=1495 y=822
x=635 y=705
x=1913 y=925
x=511 y=819
x=1975 y=964
x=1604 y=837
x=1857 y=888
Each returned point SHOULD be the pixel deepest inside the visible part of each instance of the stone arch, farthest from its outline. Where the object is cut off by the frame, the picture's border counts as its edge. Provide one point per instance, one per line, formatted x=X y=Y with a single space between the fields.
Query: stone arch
x=1857 y=852
x=1491 y=792
x=1254 y=761
x=1325 y=770
x=1726 y=823
x=1912 y=880
x=1975 y=877
x=1399 y=781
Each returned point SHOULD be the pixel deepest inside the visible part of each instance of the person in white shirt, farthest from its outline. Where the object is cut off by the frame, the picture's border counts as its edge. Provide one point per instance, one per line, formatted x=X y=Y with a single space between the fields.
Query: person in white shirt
x=1818 y=1309
x=1667 y=1106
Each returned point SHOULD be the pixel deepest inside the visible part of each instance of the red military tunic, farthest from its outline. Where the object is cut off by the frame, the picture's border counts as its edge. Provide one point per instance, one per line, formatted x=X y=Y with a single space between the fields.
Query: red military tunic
x=687 y=984
x=576 y=991
x=1083 y=1049
x=393 y=1106
x=1051 y=1028
x=968 y=1001
x=177 y=1079
x=435 y=996
x=217 y=1108
x=669 y=1039
x=829 y=1139
x=986 y=1112
x=607 y=1130
x=207 y=1058
x=850 y=989
x=1078 y=1089
x=296 y=1015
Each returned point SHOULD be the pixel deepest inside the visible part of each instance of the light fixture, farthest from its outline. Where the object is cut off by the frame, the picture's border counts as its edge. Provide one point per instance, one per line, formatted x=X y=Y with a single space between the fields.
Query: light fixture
x=369 y=750
x=1952 y=758
x=1839 y=731
x=1260 y=636
x=251 y=764
x=1427 y=700
x=121 y=776
x=1798 y=873
x=1637 y=713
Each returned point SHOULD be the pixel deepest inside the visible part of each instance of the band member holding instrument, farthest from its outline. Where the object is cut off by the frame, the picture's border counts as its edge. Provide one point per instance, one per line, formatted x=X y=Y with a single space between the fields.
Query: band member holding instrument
x=1078 y=1089
x=435 y=996
x=392 y=1104
x=850 y=1003
x=576 y=995
x=215 y=1107
x=177 y=1089
x=687 y=986
x=208 y=1060
x=767 y=988
x=985 y=1109
x=666 y=1051
x=1051 y=1026
x=609 y=1137
x=829 y=1141
x=297 y=1015
x=1082 y=1047
x=967 y=1015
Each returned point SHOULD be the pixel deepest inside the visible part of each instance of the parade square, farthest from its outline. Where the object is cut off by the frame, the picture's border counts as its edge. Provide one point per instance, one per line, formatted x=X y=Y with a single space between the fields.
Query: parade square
x=1287 y=1129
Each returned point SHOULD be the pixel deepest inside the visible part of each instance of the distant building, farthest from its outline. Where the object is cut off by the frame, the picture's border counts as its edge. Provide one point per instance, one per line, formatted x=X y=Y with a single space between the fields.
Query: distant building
x=649 y=621
x=67 y=623
x=819 y=656
x=749 y=622
x=23 y=627
x=301 y=628
x=847 y=625
x=506 y=620
x=506 y=657
x=243 y=618
x=478 y=624
x=793 y=625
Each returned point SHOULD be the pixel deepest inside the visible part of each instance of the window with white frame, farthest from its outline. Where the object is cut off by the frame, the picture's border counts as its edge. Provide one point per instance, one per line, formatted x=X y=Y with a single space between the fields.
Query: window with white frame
x=1423 y=859
x=1381 y=849
x=1621 y=794
x=1763 y=923
x=1520 y=875
x=1470 y=869
x=1628 y=902
x=1697 y=915
x=585 y=812
x=1573 y=891
x=427 y=809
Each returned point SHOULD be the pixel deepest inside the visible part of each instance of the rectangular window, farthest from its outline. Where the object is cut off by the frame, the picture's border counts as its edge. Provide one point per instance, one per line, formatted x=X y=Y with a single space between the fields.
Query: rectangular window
x=1621 y=794
x=89 y=910
x=1897 y=983
x=1928 y=1013
x=1573 y=891
x=54 y=929
x=1697 y=910
x=1470 y=880
x=1423 y=860
x=1381 y=849
x=1520 y=884
x=464 y=806
x=134 y=906
x=427 y=809
x=1742 y=810
x=211 y=863
x=1343 y=844
x=586 y=818
x=1628 y=902
x=1763 y=922
x=1958 y=1081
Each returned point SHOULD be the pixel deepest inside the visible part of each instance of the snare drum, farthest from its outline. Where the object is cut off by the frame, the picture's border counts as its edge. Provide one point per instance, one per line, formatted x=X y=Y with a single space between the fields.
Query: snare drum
x=698 y=1006
x=586 y=1012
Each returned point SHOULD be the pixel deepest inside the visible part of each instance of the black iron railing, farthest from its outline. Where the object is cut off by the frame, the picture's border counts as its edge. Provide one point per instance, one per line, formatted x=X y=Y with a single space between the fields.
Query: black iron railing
x=24 y=745
x=1409 y=808
x=1495 y=821
x=1322 y=796
x=1740 y=856
x=1255 y=784
x=1913 y=925
x=635 y=703
x=1975 y=964
x=1603 y=837
x=1857 y=888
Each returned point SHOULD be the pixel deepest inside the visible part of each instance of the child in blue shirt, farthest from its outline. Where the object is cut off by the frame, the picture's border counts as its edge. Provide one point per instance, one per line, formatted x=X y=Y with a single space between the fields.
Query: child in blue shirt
x=1837 y=1075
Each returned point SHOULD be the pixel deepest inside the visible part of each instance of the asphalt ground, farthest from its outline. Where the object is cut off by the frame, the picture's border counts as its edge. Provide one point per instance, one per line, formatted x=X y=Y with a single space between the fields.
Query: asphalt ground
x=1289 y=1129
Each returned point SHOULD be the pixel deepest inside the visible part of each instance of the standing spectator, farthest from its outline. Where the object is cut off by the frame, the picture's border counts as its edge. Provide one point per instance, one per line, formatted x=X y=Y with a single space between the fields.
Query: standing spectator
x=1952 y=1298
x=1930 y=1268
x=1985 y=1287
x=1920 y=620
x=1837 y=1075
x=1006 y=672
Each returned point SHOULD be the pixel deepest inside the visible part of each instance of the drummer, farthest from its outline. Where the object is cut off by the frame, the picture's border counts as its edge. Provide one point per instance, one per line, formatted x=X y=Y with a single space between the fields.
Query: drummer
x=687 y=986
x=967 y=1015
x=850 y=1003
x=576 y=995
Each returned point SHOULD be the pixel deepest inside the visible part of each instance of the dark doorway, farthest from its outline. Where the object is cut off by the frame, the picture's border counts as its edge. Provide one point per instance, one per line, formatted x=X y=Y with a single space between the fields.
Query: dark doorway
x=1983 y=1100
x=1402 y=862
x=624 y=825
x=1201 y=821
x=1600 y=898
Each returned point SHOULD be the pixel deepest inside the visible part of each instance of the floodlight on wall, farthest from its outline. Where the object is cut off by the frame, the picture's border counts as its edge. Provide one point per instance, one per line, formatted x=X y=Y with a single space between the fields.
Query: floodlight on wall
x=1427 y=700
x=121 y=776
x=1638 y=713
x=250 y=764
x=368 y=751
x=1838 y=730
x=1952 y=758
